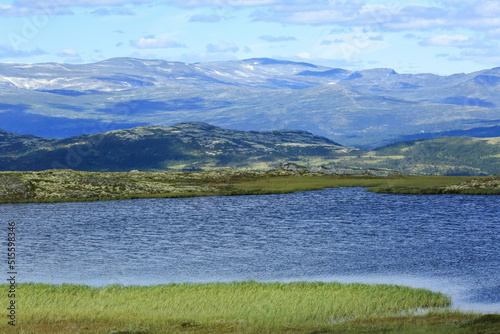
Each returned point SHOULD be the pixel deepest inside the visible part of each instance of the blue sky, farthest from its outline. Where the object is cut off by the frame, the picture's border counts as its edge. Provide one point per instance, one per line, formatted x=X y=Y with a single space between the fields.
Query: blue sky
x=438 y=36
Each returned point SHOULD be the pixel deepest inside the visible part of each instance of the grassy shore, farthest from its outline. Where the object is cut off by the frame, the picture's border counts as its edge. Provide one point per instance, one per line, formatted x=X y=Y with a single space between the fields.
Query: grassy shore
x=435 y=185
x=69 y=185
x=243 y=307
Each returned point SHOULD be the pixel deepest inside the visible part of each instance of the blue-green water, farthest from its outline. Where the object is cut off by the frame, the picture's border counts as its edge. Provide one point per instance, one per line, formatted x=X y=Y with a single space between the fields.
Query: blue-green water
x=448 y=243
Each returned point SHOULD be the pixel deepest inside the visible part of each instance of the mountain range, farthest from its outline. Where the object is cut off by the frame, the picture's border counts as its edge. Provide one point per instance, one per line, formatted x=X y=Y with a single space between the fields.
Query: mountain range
x=192 y=146
x=367 y=109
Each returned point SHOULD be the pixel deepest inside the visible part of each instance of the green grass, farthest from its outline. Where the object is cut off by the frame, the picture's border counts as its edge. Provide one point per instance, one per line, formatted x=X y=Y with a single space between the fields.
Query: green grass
x=429 y=185
x=68 y=186
x=314 y=182
x=238 y=307
x=305 y=182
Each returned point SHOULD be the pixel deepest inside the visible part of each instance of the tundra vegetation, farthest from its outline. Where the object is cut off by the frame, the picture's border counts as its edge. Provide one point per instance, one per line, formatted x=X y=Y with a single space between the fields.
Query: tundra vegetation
x=70 y=185
x=239 y=307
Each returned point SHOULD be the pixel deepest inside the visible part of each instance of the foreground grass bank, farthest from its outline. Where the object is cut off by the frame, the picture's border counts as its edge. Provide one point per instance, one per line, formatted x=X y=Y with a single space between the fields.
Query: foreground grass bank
x=70 y=185
x=243 y=307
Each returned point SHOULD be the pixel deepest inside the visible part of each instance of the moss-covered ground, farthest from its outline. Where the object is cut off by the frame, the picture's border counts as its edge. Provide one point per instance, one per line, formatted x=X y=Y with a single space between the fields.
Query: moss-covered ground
x=70 y=185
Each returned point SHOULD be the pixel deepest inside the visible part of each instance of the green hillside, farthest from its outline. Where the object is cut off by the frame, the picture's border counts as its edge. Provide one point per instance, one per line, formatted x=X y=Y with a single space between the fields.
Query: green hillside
x=440 y=156
x=185 y=146
x=193 y=146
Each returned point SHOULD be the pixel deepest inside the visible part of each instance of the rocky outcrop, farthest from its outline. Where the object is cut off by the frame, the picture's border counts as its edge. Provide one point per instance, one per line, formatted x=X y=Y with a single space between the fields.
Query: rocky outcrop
x=290 y=166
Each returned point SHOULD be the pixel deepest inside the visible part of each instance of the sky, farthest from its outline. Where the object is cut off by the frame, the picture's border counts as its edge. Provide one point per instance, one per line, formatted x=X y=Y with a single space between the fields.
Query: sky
x=419 y=36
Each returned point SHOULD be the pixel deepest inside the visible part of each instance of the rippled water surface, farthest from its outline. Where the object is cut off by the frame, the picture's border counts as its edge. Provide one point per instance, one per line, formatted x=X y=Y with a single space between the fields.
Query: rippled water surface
x=448 y=243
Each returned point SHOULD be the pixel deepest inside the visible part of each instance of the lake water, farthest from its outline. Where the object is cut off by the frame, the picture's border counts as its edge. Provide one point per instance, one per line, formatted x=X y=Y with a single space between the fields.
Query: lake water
x=447 y=243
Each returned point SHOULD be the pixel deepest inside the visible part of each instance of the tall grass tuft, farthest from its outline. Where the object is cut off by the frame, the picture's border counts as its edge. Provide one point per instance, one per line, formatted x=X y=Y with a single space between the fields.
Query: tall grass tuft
x=250 y=305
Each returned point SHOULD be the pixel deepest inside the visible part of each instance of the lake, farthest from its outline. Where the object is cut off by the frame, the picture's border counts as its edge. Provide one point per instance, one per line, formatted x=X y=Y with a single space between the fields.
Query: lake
x=447 y=243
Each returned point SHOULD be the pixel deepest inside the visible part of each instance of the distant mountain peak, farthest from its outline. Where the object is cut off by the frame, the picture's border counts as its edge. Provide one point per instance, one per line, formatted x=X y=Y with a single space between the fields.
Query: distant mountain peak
x=195 y=125
x=367 y=108
x=379 y=71
x=271 y=61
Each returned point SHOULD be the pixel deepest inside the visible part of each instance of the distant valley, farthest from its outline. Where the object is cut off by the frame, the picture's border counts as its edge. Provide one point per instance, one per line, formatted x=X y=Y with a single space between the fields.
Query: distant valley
x=190 y=146
x=367 y=109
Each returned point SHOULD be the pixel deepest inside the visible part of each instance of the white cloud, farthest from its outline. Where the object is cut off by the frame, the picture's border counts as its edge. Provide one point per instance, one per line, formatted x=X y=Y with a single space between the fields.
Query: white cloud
x=9 y=52
x=329 y=42
x=490 y=56
x=357 y=13
x=103 y=11
x=384 y=15
x=205 y=18
x=61 y=7
x=475 y=14
x=411 y=36
x=493 y=33
x=68 y=53
x=373 y=8
x=222 y=47
x=417 y=24
x=309 y=14
x=122 y=11
x=76 y=3
x=488 y=9
x=251 y=3
x=449 y=40
x=459 y=2
x=144 y=54
x=10 y=10
x=222 y=3
x=304 y=55
x=151 y=42
x=276 y=39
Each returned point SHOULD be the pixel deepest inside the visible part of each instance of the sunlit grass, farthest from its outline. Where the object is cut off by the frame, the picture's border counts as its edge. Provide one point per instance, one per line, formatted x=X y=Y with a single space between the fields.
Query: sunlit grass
x=404 y=184
x=227 y=307
x=285 y=184
x=421 y=185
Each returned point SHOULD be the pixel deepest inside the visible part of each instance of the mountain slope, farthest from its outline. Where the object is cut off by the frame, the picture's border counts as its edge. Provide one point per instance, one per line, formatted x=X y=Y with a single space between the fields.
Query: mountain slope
x=439 y=156
x=367 y=108
x=185 y=146
x=197 y=146
x=17 y=144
